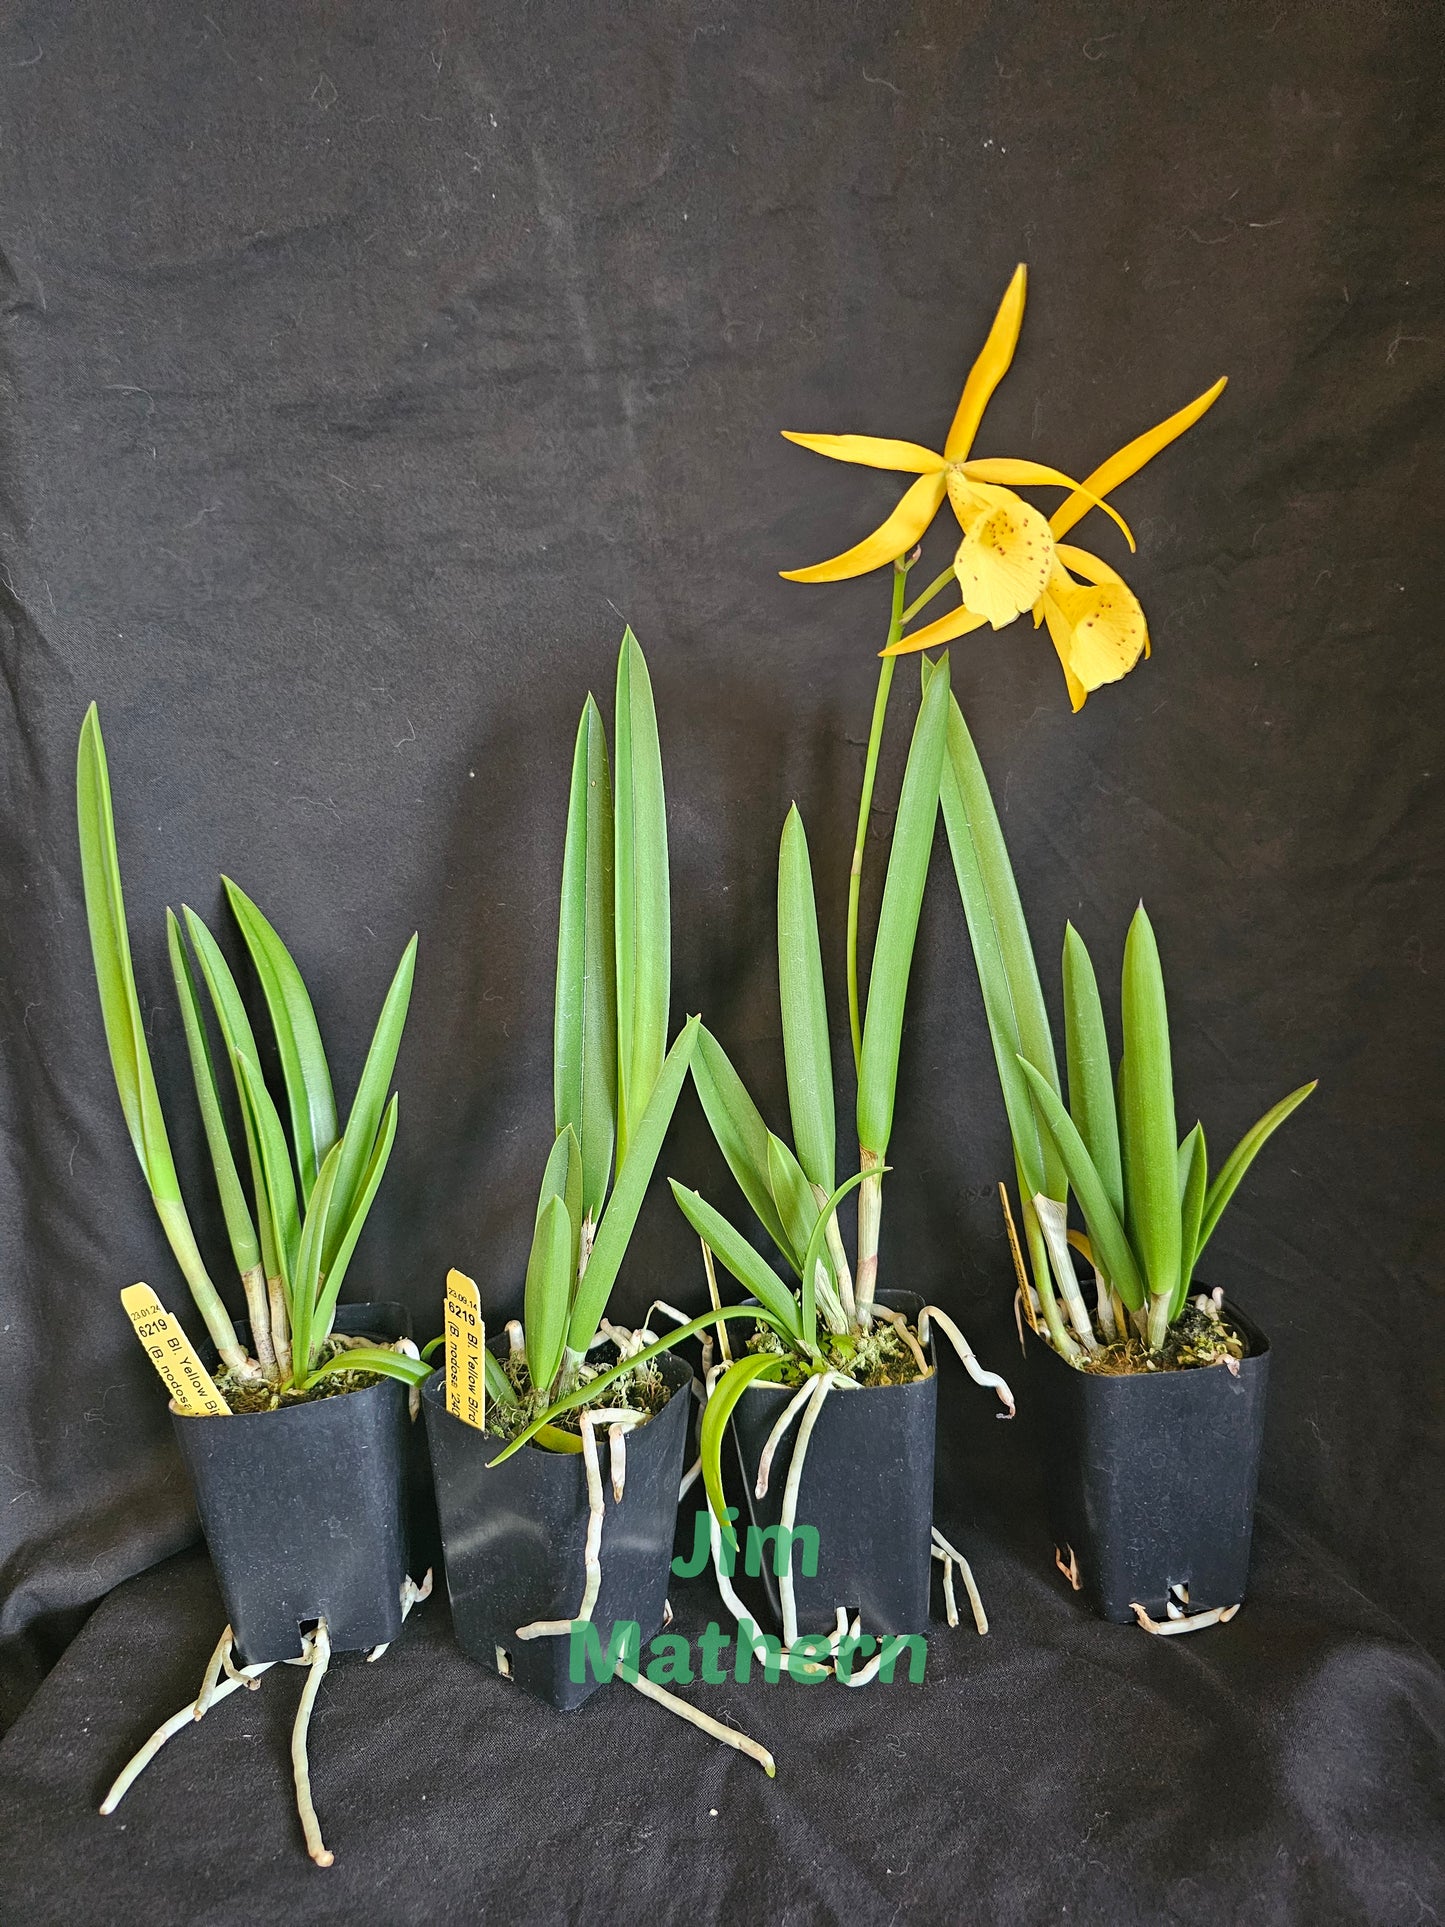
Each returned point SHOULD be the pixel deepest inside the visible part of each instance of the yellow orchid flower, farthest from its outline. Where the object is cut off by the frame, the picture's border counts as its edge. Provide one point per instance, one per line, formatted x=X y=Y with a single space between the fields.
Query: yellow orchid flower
x=1097 y=627
x=1006 y=558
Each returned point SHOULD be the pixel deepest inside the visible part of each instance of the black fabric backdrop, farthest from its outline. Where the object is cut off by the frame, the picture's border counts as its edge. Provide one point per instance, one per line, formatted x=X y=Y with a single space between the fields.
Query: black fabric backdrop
x=364 y=368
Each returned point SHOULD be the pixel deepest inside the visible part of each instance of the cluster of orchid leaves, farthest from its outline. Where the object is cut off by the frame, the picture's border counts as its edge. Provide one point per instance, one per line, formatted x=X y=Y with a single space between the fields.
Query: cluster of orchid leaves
x=293 y=1234
x=616 y=1082
x=1148 y=1203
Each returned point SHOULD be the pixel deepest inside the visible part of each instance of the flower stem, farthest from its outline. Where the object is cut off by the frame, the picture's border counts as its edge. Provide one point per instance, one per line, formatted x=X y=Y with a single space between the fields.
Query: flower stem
x=938 y=584
x=865 y=804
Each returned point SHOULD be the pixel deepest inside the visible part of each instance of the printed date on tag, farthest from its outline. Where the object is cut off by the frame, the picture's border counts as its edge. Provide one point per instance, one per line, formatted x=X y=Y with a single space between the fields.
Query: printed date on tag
x=190 y=1385
x=466 y=1338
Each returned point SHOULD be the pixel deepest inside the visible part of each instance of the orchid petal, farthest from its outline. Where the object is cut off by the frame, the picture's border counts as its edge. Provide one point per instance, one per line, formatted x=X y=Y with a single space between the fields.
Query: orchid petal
x=946 y=629
x=903 y=529
x=1015 y=474
x=1131 y=458
x=989 y=369
x=1103 y=626
x=1094 y=569
x=1061 y=637
x=872 y=451
x=1006 y=556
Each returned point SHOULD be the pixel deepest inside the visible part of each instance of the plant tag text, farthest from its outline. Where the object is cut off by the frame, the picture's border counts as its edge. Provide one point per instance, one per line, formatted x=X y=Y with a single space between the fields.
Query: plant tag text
x=192 y=1389
x=466 y=1341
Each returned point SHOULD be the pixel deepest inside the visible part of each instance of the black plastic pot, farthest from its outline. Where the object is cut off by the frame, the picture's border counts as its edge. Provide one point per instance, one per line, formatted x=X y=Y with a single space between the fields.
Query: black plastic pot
x=867 y=1489
x=1151 y=1479
x=513 y=1537
x=304 y=1509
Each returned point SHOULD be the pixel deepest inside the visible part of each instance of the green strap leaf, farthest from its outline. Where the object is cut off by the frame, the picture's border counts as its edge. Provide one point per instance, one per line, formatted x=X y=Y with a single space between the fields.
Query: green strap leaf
x=375 y=1358
x=1111 y=1248
x=114 y=972
x=355 y=1223
x=807 y=1052
x=298 y=1041
x=1091 y=1078
x=500 y=1389
x=641 y=913
x=1193 y=1174
x=237 y=1035
x=792 y=1193
x=277 y=1178
x=359 y=1137
x=741 y=1134
x=1147 y=1127
x=306 y=1278
x=633 y=1176
x=125 y=1030
x=726 y=1392
x=562 y=1178
x=239 y=1226
x=732 y=1250
x=1239 y=1160
x=1013 y=1000
x=898 y=918
x=584 y=1057
x=590 y=1392
x=548 y=1292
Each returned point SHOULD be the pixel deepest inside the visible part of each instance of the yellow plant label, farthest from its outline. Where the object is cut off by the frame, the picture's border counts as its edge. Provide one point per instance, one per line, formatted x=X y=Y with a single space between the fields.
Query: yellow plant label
x=466 y=1342
x=190 y=1385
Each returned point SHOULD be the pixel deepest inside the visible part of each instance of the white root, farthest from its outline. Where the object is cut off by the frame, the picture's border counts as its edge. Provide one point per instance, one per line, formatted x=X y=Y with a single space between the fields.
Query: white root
x=516 y=1338
x=232 y=1671
x=950 y=1603
x=177 y=1723
x=412 y=1594
x=1216 y=1616
x=1071 y=1570
x=689 y=1480
x=592 y=1550
x=318 y=1658
x=953 y=1557
x=866 y=1674
x=504 y=1661
x=666 y=1613
x=822 y=1385
x=965 y=1352
x=775 y=1438
x=900 y=1325
x=212 y=1674
x=727 y=1734
x=617 y=1457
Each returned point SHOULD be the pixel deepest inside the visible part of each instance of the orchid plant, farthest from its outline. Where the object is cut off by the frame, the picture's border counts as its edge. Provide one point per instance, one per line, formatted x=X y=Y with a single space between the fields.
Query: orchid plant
x=1148 y=1201
x=615 y=1080
x=292 y=1238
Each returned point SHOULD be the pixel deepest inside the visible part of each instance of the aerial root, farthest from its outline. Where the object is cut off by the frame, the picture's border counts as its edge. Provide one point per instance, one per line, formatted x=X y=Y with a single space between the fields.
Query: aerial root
x=951 y=1557
x=729 y=1735
x=965 y=1352
x=1193 y=1623
x=317 y=1654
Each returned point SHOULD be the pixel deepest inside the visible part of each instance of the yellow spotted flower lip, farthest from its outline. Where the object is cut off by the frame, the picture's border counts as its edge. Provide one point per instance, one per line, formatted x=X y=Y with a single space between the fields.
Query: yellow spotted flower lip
x=1096 y=626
